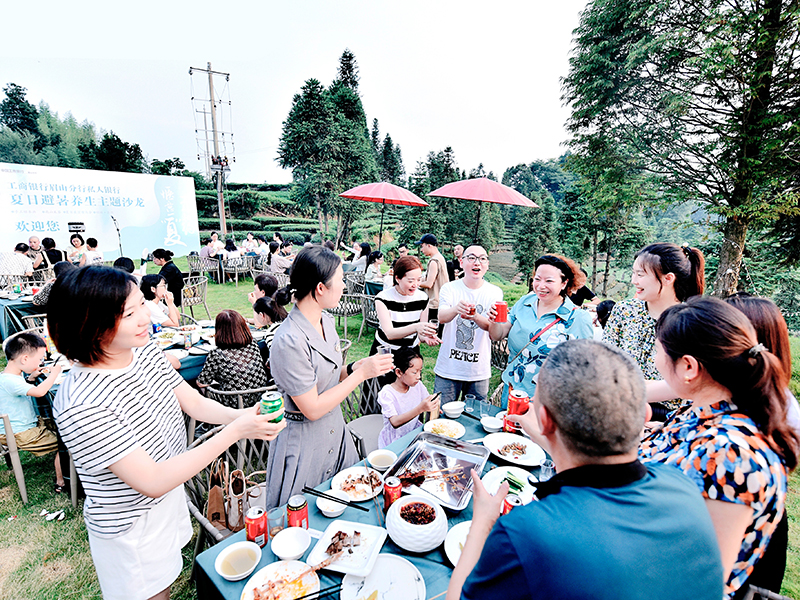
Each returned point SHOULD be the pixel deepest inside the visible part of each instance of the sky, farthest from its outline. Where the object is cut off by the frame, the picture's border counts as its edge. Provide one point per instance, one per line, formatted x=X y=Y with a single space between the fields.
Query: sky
x=480 y=77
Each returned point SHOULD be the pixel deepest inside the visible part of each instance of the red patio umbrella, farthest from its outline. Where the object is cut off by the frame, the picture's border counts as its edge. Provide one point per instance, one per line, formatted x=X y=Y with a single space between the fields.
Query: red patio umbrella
x=482 y=189
x=385 y=193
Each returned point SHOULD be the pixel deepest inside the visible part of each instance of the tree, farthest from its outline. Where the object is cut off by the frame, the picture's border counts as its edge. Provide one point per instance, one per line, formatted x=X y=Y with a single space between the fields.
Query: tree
x=171 y=166
x=16 y=112
x=348 y=70
x=705 y=94
x=391 y=162
x=536 y=232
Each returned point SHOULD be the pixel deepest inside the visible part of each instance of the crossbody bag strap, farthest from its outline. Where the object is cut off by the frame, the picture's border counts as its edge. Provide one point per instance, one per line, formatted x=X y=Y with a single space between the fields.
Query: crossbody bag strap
x=538 y=335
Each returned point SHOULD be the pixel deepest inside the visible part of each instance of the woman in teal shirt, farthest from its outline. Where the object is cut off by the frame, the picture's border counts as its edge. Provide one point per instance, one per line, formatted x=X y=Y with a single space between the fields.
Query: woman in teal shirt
x=540 y=321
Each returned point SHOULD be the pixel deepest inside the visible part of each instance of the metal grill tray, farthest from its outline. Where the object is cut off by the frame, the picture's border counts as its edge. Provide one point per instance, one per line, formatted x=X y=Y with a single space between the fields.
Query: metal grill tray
x=431 y=451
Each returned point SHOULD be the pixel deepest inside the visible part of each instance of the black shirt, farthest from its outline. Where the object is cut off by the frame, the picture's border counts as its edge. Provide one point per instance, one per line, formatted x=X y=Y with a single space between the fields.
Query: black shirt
x=583 y=293
x=174 y=279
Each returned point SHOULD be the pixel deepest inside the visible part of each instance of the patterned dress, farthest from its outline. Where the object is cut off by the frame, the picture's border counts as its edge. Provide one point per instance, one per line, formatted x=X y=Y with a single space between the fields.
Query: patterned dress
x=729 y=459
x=235 y=369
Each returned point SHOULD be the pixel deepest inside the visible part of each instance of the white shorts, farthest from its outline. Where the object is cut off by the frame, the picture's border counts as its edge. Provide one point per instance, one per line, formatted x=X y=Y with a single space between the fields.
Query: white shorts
x=147 y=559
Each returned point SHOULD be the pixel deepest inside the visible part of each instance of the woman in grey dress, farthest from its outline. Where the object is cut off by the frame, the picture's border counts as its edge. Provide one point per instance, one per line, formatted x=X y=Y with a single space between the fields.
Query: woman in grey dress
x=307 y=367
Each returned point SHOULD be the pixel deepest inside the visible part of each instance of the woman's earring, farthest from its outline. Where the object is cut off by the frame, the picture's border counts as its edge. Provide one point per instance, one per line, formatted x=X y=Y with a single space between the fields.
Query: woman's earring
x=686 y=380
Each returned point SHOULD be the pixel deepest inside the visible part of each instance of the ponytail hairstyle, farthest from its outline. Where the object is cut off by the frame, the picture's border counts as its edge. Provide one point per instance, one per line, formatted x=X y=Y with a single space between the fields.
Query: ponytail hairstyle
x=570 y=272
x=374 y=256
x=365 y=250
x=312 y=265
x=268 y=306
x=724 y=342
x=162 y=254
x=687 y=264
x=149 y=283
x=273 y=248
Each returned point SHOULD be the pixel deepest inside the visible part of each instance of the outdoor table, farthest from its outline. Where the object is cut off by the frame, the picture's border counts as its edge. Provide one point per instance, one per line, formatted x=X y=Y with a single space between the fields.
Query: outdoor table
x=434 y=565
x=373 y=288
x=12 y=313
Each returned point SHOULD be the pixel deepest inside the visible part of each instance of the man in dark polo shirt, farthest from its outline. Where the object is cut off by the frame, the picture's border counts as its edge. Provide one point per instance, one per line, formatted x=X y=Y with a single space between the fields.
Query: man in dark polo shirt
x=606 y=526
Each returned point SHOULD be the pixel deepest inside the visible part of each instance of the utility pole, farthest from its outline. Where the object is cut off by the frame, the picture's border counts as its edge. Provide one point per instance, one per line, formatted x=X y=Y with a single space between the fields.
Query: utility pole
x=219 y=162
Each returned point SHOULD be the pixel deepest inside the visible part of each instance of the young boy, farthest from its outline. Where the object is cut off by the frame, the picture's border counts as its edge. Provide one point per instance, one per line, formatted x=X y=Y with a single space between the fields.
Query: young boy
x=25 y=352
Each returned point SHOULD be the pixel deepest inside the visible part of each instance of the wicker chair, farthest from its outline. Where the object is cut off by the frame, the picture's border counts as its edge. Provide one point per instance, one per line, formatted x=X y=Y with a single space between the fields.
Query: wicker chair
x=34 y=321
x=11 y=452
x=354 y=282
x=500 y=354
x=242 y=396
x=203 y=264
x=362 y=401
x=240 y=265
x=184 y=319
x=349 y=306
x=8 y=281
x=194 y=293
x=757 y=593
x=42 y=275
x=369 y=314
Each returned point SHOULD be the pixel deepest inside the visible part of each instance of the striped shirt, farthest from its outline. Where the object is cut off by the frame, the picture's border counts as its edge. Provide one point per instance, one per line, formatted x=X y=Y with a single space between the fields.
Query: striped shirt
x=403 y=310
x=105 y=414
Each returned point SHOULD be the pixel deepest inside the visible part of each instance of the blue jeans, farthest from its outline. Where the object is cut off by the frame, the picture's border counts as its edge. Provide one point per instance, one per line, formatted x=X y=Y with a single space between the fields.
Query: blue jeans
x=453 y=390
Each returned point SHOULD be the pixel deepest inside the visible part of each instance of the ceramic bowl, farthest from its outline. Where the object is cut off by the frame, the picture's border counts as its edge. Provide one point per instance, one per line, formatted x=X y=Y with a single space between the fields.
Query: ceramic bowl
x=382 y=459
x=416 y=538
x=238 y=560
x=491 y=424
x=332 y=509
x=453 y=409
x=290 y=543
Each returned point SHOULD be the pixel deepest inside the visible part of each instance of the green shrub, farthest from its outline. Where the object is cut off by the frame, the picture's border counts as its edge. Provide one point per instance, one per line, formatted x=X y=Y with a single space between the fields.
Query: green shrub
x=241 y=226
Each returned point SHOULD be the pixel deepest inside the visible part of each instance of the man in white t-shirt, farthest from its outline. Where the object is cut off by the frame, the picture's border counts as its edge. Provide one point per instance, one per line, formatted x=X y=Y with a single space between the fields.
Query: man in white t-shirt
x=464 y=362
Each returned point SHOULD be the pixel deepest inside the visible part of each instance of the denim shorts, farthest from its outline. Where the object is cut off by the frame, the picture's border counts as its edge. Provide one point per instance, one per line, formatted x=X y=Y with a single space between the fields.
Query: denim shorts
x=453 y=390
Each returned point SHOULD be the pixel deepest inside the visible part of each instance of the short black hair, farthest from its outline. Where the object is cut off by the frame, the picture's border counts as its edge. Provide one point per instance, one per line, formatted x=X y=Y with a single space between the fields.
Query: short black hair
x=148 y=283
x=84 y=310
x=21 y=247
x=404 y=356
x=48 y=243
x=124 y=263
x=78 y=236
x=23 y=343
x=267 y=283
x=91 y=242
x=62 y=266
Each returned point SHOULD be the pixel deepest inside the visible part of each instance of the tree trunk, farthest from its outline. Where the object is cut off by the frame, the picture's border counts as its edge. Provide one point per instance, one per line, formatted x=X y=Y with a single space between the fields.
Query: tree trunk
x=609 y=239
x=326 y=225
x=594 y=260
x=319 y=216
x=734 y=233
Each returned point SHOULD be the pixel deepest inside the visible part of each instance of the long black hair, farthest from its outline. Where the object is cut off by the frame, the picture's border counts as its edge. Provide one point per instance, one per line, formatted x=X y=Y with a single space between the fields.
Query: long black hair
x=687 y=264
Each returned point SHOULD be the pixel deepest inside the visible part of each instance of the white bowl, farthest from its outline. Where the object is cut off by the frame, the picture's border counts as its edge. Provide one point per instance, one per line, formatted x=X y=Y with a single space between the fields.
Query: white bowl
x=491 y=424
x=416 y=538
x=240 y=560
x=332 y=509
x=290 y=543
x=382 y=459
x=453 y=409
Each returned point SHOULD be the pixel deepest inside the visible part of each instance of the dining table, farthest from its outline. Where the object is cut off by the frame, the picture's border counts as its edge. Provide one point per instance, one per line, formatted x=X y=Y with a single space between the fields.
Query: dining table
x=434 y=566
x=11 y=312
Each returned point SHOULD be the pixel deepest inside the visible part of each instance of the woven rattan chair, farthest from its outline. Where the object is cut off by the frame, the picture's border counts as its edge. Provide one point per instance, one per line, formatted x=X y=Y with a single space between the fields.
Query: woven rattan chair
x=194 y=293
x=500 y=354
x=8 y=281
x=241 y=265
x=243 y=397
x=349 y=306
x=10 y=451
x=34 y=321
x=362 y=401
x=203 y=264
x=354 y=282
x=369 y=314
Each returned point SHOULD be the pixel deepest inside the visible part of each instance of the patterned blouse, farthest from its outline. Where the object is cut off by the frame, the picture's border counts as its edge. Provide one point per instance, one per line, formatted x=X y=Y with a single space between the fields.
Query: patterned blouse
x=728 y=459
x=631 y=329
x=235 y=369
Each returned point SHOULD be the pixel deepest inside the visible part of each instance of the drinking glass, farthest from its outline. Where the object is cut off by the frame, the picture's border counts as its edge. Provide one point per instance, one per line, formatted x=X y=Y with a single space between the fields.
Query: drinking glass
x=469 y=402
x=548 y=469
x=434 y=323
x=276 y=521
x=486 y=409
x=384 y=350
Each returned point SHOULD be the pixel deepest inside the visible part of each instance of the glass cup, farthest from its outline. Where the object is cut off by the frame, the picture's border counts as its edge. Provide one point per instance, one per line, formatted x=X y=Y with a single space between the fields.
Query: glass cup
x=276 y=521
x=486 y=409
x=382 y=350
x=469 y=402
x=547 y=470
x=434 y=325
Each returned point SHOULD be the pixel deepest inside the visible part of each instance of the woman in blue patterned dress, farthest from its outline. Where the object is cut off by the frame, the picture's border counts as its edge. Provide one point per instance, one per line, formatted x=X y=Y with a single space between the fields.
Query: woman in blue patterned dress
x=731 y=438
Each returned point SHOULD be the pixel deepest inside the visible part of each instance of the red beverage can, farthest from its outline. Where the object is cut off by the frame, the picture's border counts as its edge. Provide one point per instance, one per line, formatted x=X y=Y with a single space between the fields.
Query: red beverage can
x=255 y=522
x=501 y=308
x=518 y=403
x=297 y=511
x=510 y=502
x=392 y=488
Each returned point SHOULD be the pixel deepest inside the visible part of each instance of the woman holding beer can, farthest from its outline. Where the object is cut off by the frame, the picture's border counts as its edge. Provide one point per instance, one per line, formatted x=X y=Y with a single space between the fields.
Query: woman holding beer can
x=120 y=413
x=307 y=366
x=540 y=321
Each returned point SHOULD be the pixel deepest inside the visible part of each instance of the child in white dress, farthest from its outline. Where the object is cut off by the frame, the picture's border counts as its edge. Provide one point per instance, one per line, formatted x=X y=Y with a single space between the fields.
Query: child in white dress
x=404 y=400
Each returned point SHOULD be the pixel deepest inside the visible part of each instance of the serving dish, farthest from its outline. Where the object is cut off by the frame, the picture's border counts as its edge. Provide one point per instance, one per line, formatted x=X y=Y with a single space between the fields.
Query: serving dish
x=446 y=428
x=392 y=578
x=361 y=561
x=286 y=571
x=413 y=537
x=533 y=455
x=362 y=492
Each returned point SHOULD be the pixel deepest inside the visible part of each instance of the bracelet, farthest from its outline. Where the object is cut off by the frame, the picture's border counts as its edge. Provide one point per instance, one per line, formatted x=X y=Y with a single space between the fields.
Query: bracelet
x=350 y=368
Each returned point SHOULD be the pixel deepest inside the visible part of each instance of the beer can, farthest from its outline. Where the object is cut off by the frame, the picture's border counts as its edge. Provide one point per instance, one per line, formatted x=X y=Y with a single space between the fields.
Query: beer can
x=272 y=402
x=392 y=488
x=510 y=502
x=297 y=511
x=501 y=308
x=518 y=403
x=17 y=288
x=255 y=522
x=156 y=327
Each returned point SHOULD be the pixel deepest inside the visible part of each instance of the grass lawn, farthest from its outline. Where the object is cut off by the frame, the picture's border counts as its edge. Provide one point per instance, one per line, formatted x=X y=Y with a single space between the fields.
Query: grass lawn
x=51 y=560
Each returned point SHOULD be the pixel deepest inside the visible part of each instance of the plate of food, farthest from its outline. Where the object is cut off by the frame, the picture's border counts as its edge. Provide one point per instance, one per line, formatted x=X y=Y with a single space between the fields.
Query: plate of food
x=392 y=578
x=455 y=540
x=517 y=482
x=445 y=427
x=178 y=353
x=355 y=547
x=282 y=580
x=359 y=483
x=514 y=448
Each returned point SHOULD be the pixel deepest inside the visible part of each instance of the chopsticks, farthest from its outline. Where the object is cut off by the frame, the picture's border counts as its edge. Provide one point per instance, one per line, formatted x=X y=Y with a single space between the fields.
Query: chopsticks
x=324 y=592
x=313 y=492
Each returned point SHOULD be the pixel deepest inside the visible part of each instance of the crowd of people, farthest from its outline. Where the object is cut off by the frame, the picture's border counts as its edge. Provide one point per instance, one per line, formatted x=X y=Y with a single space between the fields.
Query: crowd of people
x=672 y=437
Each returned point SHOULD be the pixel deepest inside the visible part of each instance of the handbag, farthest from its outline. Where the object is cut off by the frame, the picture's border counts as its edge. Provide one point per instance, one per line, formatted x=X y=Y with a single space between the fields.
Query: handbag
x=243 y=493
x=217 y=481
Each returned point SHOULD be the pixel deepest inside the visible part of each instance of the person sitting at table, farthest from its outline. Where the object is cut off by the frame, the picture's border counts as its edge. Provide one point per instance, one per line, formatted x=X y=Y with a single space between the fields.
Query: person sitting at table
x=91 y=256
x=40 y=298
x=264 y=286
x=374 y=262
x=250 y=245
x=159 y=301
x=267 y=317
x=360 y=256
x=231 y=251
x=263 y=247
x=235 y=364
x=287 y=250
x=25 y=352
x=276 y=262
x=307 y=367
x=120 y=411
x=78 y=248
x=170 y=272
x=605 y=526
x=404 y=400
x=16 y=263
x=54 y=255
x=37 y=255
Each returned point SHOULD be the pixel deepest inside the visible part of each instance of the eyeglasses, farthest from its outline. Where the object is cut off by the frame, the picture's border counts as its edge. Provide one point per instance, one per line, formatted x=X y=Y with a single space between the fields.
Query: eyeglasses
x=471 y=258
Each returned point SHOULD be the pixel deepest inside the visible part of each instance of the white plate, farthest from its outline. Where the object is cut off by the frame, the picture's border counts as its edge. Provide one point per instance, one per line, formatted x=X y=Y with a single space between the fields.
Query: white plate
x=361 y=561
x=362 y=491
x=206 y=323
x=178 y=353
x=393 y=577
x=200 y=349
x=448 y=428
x=26 y=298
x=493 y=479
x=455 y=540
x=533 y=456
x=286 y=570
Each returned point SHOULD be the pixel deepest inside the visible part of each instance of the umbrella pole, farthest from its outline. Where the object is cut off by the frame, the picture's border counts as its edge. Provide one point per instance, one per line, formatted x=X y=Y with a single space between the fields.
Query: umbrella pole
x=477 y=222
x=380 y=234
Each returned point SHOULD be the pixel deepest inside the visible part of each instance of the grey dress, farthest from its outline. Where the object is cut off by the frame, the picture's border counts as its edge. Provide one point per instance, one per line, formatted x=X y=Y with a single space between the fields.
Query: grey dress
x=306 y=452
